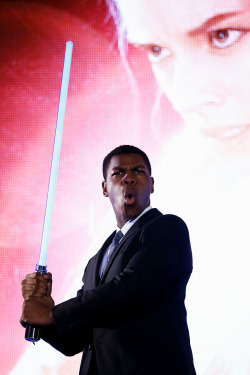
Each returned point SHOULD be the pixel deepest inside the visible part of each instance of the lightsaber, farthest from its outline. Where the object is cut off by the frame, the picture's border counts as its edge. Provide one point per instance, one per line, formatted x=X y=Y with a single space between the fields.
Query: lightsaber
x=32 y=333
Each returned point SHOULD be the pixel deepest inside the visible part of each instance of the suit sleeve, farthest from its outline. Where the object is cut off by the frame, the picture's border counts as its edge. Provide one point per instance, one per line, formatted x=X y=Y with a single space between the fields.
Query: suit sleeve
x=71 y=342
x=163 y=255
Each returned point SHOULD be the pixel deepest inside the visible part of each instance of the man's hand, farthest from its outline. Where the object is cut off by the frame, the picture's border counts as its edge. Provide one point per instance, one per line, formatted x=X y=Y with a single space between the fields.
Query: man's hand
x=38 y=304
x=37 y=311
x=37 y=285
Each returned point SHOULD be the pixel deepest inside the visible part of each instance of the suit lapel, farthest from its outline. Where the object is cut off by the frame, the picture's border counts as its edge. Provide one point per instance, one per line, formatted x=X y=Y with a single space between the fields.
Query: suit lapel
x=147 y=217
x=98 y=259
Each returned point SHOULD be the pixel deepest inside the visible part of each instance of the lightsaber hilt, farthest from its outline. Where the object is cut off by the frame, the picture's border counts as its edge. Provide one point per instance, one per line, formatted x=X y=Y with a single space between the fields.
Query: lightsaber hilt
x=32 y=332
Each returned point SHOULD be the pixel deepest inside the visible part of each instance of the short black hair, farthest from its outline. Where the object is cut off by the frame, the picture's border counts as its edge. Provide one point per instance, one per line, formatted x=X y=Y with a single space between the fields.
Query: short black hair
x=124 y=149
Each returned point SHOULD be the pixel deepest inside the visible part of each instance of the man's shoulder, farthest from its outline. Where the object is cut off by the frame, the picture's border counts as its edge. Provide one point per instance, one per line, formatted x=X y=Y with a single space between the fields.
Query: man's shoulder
x=167 y=221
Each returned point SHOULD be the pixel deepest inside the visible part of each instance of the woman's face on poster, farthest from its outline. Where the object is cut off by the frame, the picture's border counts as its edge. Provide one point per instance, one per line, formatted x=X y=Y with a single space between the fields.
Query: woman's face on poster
x=199 y=52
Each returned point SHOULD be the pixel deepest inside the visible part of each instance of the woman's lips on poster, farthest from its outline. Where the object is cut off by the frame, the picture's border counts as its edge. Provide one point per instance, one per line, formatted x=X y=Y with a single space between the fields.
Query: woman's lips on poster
x=226 y=133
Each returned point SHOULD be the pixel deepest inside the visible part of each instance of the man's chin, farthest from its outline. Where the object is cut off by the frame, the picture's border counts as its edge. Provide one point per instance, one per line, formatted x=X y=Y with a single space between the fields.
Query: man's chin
x=131 y=211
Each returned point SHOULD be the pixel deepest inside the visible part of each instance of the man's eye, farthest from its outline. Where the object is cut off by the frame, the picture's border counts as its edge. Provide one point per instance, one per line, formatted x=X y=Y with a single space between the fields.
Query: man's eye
x=157 y=53
x=116 y=173
x=139 y=171
x=225 y=37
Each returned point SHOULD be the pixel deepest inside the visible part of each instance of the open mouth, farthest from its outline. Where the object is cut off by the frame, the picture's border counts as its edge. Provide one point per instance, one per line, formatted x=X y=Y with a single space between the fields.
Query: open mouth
x=129 y=197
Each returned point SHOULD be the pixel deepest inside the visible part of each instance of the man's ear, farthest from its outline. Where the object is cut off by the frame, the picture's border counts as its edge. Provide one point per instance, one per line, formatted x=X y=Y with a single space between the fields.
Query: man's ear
x=104 y=189
x=152 y=184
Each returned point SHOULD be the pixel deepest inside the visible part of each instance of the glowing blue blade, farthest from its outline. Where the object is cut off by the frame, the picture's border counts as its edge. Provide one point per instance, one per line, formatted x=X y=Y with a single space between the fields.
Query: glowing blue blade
x=56 y=154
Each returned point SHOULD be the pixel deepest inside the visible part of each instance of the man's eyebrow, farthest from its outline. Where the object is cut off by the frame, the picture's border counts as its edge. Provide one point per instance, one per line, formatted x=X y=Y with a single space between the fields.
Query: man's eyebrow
x=139 y=166
x=117 y=167
x=212 y=21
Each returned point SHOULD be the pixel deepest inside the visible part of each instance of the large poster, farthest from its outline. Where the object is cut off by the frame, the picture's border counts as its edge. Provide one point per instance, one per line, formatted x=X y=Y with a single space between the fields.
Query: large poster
x=171 y=77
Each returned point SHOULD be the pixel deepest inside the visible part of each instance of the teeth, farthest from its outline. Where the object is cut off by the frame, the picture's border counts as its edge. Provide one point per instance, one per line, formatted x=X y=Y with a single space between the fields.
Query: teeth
x=227 y=133
x=232 y=132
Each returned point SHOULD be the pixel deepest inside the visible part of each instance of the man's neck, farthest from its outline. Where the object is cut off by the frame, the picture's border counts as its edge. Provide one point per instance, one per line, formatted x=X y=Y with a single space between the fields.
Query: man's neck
x=132 y=221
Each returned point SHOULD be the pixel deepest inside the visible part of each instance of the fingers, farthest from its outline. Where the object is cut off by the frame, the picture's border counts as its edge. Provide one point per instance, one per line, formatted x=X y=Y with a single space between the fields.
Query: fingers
x=36 y=285
x=23 y=323
x=38 y=304
x=48 y=276
x=37 y=311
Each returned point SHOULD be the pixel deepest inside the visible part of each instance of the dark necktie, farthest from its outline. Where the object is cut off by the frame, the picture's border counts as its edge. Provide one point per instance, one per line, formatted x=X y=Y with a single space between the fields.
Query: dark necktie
x=110 y=251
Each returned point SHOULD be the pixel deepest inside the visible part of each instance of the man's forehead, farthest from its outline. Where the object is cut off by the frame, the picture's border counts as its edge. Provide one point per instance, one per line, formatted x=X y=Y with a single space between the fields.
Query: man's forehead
x=127 y=158
x=127 y=161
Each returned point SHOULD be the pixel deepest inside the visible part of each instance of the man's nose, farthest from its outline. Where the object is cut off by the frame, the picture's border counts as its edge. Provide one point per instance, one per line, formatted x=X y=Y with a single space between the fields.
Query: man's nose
x=128 y=179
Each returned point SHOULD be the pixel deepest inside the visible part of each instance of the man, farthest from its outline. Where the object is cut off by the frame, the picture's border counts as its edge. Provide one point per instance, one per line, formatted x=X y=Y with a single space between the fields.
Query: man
x=129 y=317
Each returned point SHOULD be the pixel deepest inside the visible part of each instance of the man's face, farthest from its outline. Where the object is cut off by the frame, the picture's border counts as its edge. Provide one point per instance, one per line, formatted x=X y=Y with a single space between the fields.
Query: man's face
x=128 y=186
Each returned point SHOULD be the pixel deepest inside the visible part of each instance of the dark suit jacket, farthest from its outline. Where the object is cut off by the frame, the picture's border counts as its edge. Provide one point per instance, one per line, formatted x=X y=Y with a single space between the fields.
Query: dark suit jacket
x=134 y=318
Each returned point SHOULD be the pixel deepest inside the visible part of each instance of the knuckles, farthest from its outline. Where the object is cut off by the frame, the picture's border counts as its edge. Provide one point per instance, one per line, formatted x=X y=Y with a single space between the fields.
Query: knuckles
x=37 y=285
x=36 y=290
